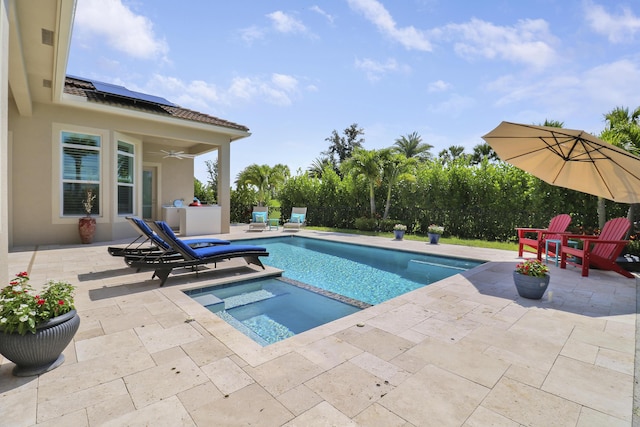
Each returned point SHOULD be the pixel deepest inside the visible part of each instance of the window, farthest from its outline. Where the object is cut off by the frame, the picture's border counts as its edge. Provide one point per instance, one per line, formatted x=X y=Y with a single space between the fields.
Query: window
x=125 y=174
x=80 y=172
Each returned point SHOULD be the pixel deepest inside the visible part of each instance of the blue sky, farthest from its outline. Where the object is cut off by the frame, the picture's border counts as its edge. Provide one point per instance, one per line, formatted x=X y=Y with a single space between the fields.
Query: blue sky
x=293 y=71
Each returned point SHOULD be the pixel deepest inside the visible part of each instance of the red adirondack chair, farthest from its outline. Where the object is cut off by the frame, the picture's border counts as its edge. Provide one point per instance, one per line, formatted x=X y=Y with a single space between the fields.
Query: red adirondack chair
x=558 y=224
x=599 y=251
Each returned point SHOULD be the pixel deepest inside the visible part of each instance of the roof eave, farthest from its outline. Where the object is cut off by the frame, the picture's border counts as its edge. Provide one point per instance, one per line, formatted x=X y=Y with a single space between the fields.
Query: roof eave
x=82 y=102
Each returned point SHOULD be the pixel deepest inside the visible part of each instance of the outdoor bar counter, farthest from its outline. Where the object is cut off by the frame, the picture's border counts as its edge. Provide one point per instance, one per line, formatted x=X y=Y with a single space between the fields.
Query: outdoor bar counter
x=196 y=220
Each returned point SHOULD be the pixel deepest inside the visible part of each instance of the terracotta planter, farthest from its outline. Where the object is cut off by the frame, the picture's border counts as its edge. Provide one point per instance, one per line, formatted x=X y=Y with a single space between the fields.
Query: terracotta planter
x=35 y=354
x=87 y=229
x=531 y=287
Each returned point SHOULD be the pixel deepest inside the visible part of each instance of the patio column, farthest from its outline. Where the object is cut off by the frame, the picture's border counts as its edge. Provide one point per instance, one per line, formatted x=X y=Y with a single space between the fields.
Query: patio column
x=224 y=186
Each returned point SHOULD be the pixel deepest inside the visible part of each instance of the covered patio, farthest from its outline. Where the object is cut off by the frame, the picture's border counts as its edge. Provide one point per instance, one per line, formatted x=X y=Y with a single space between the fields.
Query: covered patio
x=463 y=351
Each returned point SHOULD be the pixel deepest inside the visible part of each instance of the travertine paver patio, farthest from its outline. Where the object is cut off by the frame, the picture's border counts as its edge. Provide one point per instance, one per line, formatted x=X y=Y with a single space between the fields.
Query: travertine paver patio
x=466 y=351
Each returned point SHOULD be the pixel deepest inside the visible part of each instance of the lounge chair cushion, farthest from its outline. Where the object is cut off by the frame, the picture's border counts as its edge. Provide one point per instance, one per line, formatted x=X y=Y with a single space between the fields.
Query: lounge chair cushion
x=259 y=217
x=208 y=251
x=297 y=218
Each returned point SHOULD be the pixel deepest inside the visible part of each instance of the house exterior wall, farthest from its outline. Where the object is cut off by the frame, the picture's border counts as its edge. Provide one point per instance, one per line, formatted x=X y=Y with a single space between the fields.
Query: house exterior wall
x=36 y=182
x=4 y=140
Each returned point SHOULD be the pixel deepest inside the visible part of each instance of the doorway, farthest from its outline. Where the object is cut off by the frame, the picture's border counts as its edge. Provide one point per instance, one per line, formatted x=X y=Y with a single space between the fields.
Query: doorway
x=150 y=192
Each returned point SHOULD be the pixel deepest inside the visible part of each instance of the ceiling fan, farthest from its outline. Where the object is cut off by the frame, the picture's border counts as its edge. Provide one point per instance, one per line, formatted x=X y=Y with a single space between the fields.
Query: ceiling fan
x=174 y=154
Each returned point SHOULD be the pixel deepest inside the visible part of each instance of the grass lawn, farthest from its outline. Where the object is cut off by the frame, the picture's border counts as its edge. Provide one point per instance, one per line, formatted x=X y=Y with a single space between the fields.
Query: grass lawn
x=508 y=246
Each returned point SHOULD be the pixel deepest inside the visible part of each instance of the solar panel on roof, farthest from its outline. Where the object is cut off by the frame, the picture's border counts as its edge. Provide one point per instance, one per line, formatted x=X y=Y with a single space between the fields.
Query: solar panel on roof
x=112 y=89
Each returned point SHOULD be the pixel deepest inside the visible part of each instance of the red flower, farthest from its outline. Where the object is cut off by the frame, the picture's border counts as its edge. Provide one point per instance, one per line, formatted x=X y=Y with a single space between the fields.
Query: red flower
x=23 y=274
x=60 y=302
x=40 y=301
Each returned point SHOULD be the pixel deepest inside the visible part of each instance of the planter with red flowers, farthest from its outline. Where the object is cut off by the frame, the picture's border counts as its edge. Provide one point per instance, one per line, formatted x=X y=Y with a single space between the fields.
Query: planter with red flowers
x=36 y=327
x=531 y=278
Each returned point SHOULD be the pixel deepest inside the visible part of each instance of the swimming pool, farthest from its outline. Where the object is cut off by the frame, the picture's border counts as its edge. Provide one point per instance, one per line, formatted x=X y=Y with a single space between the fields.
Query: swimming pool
x=364 y=273
x=272 y=309
x=327 y=280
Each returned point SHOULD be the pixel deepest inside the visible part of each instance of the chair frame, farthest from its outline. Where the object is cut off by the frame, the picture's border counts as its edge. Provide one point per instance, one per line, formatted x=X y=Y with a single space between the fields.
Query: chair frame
x=259 y=226
x=296 y=225
x=598 y=251
x=156 y=244
x=557 y=227
x=182 y=255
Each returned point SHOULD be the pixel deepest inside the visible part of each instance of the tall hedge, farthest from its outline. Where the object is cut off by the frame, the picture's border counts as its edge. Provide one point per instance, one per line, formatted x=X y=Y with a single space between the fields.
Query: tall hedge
x=485 y=201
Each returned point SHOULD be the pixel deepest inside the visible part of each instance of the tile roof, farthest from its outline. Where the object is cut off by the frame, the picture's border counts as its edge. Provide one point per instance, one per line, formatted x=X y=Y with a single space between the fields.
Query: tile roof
x=79 y=87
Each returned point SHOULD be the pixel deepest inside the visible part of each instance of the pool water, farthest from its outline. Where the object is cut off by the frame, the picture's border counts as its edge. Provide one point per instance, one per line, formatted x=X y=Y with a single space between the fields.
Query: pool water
x=322 y=281
x=270 y=310
x=365 y=273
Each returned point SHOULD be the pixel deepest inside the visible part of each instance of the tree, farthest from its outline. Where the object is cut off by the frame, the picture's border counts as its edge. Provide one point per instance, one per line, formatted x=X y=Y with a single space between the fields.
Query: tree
x=318 y=166
x=212 y=172
x=411 y=145
x=552 y=123
x=622 y=130
x=481 y=152
x=341 y=147
x=366 y=163
x=451 y=154
x=267 y=180
x=396 y=167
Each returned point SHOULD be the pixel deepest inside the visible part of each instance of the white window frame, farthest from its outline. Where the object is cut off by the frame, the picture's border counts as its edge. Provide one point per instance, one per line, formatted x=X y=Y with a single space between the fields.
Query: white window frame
x=132 y=184
x=57 y=180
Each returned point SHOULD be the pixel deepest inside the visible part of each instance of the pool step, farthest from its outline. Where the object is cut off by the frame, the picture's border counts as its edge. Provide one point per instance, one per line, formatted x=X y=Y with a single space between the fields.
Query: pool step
x=212 y=302
x=417 y=265
x=248 y=298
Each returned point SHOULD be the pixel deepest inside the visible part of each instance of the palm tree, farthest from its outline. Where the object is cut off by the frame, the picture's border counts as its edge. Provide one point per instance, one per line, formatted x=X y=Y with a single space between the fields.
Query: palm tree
x=622 y=130
x=266 y=179
x=483 y=151
x=316 y=170
x=396 y=167
x=411 y=145
x=366 y=163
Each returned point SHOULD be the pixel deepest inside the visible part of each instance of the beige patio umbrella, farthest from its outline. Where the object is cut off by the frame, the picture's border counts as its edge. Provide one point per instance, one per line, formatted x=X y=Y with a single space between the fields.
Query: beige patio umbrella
x=569 y=158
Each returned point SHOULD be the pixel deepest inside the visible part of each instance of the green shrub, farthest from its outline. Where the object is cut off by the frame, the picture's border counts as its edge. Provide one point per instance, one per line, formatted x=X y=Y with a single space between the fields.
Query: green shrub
x=366 y=224
x=387 y=225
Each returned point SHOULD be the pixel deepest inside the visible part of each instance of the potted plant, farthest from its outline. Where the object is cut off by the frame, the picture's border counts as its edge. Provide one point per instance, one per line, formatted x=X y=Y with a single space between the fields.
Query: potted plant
x=531 y=278
x=36 y=327
x=434 y=232
x=87 y=224
x=399 y=230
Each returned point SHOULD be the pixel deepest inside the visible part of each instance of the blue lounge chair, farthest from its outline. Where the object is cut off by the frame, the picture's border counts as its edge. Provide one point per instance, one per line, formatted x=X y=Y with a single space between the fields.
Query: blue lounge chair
x=157 y=244
x=182 y=255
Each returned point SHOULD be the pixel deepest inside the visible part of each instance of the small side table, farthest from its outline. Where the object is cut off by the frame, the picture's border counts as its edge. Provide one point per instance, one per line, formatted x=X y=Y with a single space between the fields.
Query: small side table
x=572 y=243
x=558 y=242
x=274 y=223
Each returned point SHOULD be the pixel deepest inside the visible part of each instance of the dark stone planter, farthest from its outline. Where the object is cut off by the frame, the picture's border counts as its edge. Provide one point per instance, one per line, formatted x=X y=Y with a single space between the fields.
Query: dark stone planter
x=434 y=238
x=35 y=354
x=399 y=234
x=530 y=287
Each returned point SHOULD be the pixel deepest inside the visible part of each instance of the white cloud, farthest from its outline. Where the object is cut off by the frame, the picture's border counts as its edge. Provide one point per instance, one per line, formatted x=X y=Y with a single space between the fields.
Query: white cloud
x=375 y=70
x=578 y=95
x=321 y=12
x=528 y=42
x=375 y=12
x=439 y=86
x=286 y=23
x=454 y=106
x=123 y=29
x=617 y=28
x=251 y=33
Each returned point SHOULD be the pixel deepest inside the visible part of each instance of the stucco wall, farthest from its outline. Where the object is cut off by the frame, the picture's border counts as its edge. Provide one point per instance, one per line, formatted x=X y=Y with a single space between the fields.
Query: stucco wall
x=4 y=174
x=35 y=180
